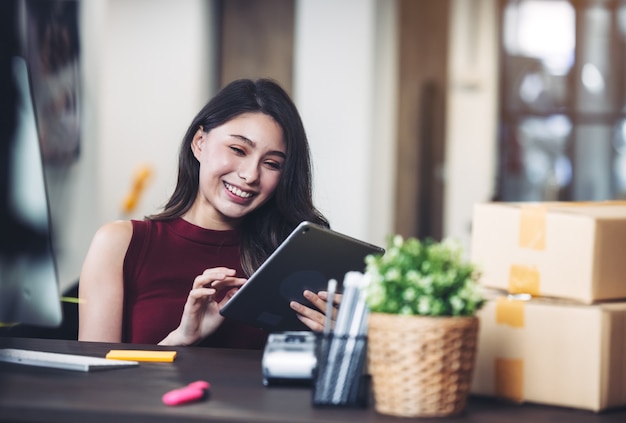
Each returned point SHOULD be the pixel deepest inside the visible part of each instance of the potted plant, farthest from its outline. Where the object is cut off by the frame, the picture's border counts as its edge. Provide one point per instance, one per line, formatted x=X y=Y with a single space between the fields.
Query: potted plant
x=423 y=297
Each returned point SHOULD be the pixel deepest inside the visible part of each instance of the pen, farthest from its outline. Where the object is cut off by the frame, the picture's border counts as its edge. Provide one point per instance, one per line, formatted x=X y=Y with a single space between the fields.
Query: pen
x=345 y=377
x=348 y=302
x=332 y=286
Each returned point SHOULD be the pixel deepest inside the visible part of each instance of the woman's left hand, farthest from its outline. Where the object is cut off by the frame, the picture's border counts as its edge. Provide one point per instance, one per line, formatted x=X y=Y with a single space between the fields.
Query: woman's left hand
x=315 y=319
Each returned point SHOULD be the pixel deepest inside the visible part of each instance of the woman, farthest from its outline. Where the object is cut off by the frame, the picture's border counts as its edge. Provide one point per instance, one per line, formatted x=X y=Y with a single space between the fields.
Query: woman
x=244 y=183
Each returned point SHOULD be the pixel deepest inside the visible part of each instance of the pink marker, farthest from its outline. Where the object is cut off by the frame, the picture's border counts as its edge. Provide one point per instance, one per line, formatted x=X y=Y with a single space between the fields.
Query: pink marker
x=193 y=392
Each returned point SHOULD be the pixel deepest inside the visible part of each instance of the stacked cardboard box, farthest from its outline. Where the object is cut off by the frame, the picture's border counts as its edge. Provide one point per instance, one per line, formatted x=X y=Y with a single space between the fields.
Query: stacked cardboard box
x=554 y=328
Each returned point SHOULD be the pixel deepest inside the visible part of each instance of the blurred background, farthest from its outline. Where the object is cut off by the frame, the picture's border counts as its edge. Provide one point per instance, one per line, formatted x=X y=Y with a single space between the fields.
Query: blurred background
x=415 y=109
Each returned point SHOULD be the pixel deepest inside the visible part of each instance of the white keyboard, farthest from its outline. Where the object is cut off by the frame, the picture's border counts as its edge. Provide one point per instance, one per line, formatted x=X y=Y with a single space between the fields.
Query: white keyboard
x=61 y=361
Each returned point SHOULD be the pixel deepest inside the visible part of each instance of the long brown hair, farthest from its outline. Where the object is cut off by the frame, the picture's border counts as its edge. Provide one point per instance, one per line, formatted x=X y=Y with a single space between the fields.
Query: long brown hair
x=266 y=227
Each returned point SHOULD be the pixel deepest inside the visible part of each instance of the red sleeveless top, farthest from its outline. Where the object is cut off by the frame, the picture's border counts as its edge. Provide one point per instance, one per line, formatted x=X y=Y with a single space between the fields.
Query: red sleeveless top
x=161 y=263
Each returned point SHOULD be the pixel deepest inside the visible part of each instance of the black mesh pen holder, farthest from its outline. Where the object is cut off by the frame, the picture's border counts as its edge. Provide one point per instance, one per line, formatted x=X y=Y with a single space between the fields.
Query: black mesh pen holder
x=339 y=379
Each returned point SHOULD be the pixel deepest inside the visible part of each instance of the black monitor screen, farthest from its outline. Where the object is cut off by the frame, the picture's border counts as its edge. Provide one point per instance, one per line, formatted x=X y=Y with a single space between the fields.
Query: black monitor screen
x=29 y=289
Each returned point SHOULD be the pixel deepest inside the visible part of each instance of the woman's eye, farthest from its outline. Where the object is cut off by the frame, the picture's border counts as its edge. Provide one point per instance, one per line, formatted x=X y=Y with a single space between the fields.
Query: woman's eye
x=238 y=150
x=273 y=165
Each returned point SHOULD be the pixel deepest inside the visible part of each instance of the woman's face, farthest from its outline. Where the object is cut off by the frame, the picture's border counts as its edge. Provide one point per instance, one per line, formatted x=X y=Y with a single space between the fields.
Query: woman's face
x=241 y=163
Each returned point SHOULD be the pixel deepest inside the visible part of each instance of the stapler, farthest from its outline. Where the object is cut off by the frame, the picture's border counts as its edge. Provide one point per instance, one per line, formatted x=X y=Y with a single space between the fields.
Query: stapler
x=289 y=358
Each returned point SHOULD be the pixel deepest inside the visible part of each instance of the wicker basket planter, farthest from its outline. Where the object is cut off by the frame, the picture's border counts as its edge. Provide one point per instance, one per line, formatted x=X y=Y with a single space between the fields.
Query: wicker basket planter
x=421 y=366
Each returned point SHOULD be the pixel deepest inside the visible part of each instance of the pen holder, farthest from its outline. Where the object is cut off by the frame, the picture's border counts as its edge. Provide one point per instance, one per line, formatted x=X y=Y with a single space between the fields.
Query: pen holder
x=339 y=379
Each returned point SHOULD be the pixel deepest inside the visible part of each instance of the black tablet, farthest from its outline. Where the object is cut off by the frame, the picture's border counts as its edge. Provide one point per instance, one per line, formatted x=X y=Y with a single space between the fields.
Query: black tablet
x=308 y=258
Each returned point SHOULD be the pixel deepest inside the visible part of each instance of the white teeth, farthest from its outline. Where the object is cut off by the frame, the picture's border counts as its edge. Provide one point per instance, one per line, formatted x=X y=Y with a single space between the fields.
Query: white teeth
x=237 y=191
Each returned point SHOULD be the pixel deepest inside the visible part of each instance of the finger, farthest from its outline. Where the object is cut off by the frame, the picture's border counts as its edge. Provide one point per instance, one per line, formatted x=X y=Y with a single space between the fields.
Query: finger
x=228 y=282
x=197 y=301
x=312 y=318
x=209 y=276
x=224 y=270
x=315 y=299
x=336 y=298
x=229 y=294
x=202 y=293
x=310 y=323
x=319 y=303
x=206 y=279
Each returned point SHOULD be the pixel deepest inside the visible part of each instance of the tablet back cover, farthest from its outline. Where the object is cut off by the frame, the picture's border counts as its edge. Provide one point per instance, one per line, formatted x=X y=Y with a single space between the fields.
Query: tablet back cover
x=309 y=257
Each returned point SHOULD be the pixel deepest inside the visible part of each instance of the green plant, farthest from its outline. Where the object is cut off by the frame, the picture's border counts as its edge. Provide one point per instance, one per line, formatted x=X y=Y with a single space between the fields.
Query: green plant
x=426 y=278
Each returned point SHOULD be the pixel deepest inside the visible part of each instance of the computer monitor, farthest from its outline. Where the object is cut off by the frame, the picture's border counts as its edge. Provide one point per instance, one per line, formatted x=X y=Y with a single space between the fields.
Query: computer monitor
x=29 y=287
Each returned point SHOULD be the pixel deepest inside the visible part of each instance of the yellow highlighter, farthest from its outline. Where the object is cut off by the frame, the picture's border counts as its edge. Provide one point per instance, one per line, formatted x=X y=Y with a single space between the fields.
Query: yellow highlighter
x=142 y=355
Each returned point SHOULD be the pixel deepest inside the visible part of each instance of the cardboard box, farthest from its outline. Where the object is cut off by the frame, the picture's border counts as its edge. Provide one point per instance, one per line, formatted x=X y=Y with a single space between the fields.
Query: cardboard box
x=564 y=250
x=552 y=352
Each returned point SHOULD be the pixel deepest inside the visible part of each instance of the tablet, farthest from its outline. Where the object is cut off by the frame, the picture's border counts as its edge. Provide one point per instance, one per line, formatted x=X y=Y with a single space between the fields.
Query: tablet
x=308 y=258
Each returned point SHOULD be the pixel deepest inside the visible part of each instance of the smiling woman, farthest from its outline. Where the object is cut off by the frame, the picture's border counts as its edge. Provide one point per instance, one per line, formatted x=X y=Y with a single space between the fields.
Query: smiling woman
x=244 y=183
x=241 y=162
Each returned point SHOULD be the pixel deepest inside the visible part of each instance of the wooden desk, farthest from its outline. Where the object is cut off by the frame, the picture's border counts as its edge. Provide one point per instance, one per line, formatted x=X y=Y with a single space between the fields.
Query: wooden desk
x=237 y=395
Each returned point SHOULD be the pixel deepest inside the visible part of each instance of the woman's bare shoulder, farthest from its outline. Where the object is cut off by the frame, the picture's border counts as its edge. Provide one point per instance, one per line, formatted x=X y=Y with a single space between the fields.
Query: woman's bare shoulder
x=114 y=234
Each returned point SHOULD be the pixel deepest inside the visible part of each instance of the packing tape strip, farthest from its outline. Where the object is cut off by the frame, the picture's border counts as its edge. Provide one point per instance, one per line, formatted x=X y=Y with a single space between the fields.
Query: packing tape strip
x=510 y=312
x=509 y=378
x=532 y=227
x=524 y=280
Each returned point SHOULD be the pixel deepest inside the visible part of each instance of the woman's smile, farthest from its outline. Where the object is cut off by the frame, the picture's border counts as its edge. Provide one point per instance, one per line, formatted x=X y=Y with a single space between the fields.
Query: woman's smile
x=238 y=192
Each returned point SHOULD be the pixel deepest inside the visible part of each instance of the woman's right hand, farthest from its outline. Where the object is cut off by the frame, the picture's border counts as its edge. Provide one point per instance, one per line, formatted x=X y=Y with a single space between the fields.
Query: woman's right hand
x=201 y=315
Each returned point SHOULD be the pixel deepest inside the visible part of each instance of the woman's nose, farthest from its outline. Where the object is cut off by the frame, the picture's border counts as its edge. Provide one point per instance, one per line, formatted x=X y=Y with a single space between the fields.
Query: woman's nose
x=248 y=172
